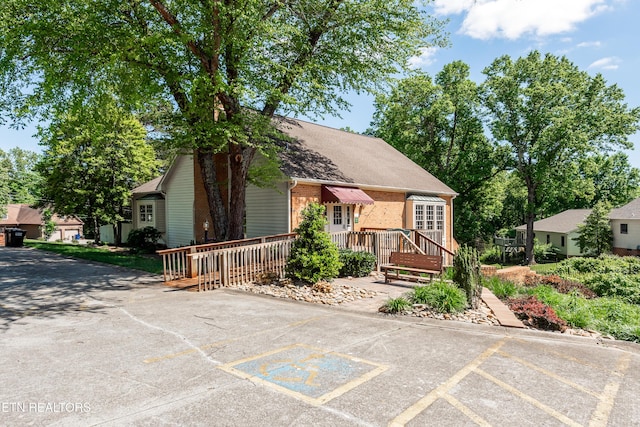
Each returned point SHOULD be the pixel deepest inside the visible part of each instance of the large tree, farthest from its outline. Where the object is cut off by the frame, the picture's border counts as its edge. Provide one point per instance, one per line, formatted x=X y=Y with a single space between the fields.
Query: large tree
x=22 y=180
x=225 y=66
x=550 y=115
x=92 y=161
x=437 y=123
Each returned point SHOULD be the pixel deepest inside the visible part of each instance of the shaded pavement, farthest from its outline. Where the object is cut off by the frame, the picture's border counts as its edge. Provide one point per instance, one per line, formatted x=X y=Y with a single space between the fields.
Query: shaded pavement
x=89 y=344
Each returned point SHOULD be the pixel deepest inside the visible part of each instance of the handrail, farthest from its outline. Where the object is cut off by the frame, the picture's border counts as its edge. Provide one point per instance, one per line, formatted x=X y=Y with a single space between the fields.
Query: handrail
x=428 y=239
x=411 y=243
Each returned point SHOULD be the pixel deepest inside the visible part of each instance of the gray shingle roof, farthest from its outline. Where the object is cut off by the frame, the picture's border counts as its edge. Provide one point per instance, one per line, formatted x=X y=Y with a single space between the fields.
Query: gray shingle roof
x=322 y=153
x=148 y=187
x=629 y=211
x=564 y=222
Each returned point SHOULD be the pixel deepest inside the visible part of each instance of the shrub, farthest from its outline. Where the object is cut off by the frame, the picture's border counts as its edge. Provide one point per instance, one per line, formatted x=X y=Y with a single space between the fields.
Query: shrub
x=144 y=239
x=500 y=288
x=313 y=256
x=616 y=285
x=535 y=313
x=491 y=255
x=395 y=305
x=441 y=296
x=561 y=285
x=356 y=264
x=466 y=274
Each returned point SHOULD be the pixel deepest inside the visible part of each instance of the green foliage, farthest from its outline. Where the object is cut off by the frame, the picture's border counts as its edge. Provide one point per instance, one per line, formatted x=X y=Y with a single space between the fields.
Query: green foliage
x=624 y=286
x=437 y=124
x=144 y=239
x=92 y=161
x=595 y=235
x=491 y=255
x=544 y=251
x=22 y=181
x=313 y=256
x=395 y=305
x=49 y=224
x=441 y=296
x=550 y=115
x=601 y=264
x=356 y=264
x=500 y=288
x=466 y=274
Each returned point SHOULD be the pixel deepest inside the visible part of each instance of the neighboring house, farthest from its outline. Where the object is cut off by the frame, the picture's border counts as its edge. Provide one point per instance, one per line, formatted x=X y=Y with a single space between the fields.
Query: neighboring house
x=364 y=182
x=625 y=223
x=30 y=219
x=560 y=230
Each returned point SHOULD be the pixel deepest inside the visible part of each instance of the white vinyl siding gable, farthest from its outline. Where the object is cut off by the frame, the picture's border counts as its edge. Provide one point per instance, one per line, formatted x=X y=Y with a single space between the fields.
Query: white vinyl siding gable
x=179 y=190
x=267 y=210
x=628 y=240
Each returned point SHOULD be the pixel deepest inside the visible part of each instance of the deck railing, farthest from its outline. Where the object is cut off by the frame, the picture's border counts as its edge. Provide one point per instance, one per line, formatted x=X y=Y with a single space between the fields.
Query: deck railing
x=240 y=264
x=179 y=265
x=237 y=262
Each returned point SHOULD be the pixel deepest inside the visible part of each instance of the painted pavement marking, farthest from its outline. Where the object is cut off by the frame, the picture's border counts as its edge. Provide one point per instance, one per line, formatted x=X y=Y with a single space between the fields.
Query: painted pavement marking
x=600 y=416
x=440 y=391
x=228 y=341
x=307 y=373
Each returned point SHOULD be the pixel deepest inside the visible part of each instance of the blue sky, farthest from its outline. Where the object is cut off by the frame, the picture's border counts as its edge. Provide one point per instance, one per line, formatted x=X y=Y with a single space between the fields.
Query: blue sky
x=598 y=36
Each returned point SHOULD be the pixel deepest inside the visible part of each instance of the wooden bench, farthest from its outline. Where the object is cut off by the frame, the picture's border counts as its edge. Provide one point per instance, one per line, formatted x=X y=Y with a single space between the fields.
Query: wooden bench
x=409 y=266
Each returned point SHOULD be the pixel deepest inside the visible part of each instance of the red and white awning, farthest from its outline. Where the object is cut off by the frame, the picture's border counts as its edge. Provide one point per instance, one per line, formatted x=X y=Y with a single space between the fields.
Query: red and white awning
x=345 y=195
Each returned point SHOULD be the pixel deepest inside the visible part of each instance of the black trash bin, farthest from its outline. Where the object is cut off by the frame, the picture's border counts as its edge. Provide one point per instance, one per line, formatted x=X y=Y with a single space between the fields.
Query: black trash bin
x=14 y=237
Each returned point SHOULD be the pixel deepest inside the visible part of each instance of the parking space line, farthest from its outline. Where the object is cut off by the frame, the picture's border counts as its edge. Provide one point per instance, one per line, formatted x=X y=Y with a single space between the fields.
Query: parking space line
x=466 y=410
x=228 y=341
x=550 y=374
x=440 y=391
x=601 y=415
x=549 y=410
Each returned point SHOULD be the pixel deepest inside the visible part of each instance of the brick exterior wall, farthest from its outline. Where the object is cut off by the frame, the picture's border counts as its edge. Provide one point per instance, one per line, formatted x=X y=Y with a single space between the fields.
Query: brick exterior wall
x=626 y=252
x=301 y=196
x=388 y=211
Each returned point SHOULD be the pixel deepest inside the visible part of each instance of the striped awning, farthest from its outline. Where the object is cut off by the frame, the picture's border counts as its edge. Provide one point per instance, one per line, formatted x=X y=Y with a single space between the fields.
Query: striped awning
x=421 y=198
x=345 y=195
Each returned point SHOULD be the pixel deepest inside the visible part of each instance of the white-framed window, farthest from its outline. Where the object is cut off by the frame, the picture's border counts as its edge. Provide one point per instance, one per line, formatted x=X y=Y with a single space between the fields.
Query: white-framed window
x=428 y=216
x=348 y=216
x=146 y=213
x=337 y=215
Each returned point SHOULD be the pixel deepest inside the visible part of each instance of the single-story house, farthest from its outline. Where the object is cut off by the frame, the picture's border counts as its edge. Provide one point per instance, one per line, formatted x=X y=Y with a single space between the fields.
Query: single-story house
x=30 y=219
x=560 y=230
x=364 y=182
x=625 y=223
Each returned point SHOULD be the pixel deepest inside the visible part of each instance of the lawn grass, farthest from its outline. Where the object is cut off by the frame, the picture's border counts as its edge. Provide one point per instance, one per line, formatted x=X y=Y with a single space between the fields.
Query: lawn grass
x=123 y=259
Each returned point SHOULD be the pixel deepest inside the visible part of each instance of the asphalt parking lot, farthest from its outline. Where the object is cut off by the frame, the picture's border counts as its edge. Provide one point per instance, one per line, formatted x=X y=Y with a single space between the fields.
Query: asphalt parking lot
x=89 y=344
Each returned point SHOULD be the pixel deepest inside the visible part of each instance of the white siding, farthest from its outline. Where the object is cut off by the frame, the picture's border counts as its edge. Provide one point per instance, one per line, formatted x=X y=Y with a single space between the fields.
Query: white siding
x=179 y=190
x=631 y=240
x=267 y=210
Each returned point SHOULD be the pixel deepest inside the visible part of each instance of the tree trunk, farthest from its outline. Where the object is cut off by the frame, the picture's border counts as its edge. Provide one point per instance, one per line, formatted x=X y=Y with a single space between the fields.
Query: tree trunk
x=530 y=217
x=239 y=161
x=96 y=230
x=215 y=202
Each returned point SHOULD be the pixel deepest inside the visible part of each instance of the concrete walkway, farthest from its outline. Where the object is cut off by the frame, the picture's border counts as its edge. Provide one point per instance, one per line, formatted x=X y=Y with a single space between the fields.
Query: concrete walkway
x=85 y=344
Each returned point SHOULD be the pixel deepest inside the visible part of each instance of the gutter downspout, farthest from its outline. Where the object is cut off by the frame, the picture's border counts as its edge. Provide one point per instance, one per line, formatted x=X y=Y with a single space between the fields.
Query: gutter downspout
x=291 y=186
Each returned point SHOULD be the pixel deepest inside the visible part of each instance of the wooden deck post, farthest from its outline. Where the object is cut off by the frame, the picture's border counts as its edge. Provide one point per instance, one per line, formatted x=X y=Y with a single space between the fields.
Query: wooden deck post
x=192 y=268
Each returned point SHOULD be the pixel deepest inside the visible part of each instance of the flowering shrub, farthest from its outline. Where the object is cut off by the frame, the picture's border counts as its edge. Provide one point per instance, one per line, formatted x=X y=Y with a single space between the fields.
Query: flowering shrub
x=536 y=314
x=559 y=284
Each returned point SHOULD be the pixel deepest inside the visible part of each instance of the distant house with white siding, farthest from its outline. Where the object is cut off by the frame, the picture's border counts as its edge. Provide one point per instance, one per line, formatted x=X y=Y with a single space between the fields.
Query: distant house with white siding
x=364 y=182
x=625 y=223
x=560 y=230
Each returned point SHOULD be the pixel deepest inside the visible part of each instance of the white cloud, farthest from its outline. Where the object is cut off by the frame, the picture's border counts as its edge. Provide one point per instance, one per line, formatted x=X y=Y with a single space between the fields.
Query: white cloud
x=424 y=59
x=590 y=44
x=511 y=19
x=608 y=63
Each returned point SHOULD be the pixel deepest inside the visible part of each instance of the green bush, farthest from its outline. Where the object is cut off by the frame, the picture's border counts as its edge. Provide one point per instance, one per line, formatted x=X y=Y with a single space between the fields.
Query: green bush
x=144 y=239
x=500 y=288
x=616 y=285
x=395 y=305
x=313 y=256
x=441 y=296
x=466 y=274
x=491 y=255
x=356 y=264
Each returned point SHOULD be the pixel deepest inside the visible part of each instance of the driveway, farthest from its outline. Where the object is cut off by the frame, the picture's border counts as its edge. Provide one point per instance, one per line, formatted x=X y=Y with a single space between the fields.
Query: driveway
x=89 y=344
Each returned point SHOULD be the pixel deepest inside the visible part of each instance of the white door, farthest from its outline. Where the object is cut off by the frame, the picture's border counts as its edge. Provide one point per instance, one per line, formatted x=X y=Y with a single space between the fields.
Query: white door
x=339 y=217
